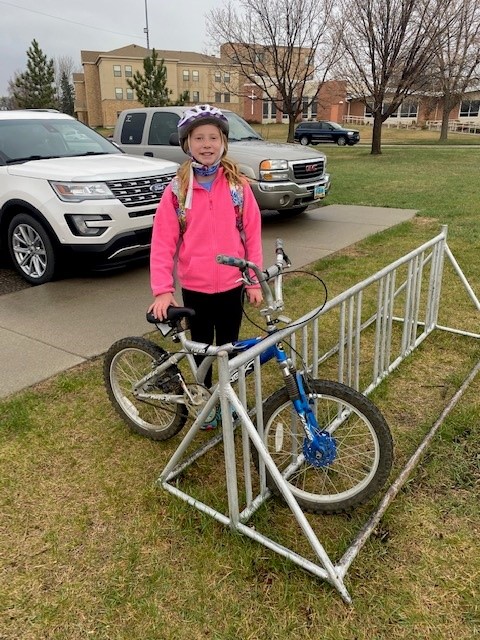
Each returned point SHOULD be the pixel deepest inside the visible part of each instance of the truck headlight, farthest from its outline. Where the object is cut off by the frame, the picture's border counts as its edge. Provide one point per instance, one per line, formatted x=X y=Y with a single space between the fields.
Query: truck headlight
x=271 y=170
x=79 y=191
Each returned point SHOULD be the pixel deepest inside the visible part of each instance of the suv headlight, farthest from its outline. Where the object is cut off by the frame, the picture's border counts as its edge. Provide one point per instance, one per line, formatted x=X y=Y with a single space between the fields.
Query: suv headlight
x=79 y=191
x=271 y=170
x=87 y=224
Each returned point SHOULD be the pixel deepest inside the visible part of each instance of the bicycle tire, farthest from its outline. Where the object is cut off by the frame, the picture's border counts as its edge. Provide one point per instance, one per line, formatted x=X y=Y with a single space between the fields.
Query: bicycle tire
x=364 y=448
x=128 y=361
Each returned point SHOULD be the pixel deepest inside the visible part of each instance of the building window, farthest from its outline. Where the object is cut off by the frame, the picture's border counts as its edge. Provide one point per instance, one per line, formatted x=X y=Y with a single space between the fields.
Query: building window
x=218 y=76
x=305 y=108
x=313 y=110
x=469 y=108
x=195 y=76
x=117 y=71
x=408 y=110
x=130 y=95
x=226 y=77
x=186 y=75
x=128 y=71
x=118 y=93
x=259 y=57
x=218 y=97
x=226 y=97
x=196 y=96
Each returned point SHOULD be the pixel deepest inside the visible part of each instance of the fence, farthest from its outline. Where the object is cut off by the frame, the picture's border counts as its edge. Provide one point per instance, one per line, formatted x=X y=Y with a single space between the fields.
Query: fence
x=377 y=323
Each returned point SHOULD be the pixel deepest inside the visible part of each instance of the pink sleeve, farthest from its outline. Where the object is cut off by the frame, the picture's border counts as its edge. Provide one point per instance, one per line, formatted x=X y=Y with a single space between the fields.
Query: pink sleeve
x=252 y=224
x=165 y=236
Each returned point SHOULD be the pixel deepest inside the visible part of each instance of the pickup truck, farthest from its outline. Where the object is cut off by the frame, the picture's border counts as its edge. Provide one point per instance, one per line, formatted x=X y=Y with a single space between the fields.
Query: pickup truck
x=283 y=177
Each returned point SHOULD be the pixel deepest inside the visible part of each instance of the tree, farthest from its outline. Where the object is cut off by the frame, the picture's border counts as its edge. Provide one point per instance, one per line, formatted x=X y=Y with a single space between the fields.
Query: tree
x=457 y=61
x=278 y=46
x=66 y=96
x=388 y=46
x=34 y=89
x=151 y=86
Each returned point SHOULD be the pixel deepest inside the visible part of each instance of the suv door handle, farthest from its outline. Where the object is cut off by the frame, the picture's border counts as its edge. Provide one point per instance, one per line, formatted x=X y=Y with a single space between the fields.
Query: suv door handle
x=149 y=154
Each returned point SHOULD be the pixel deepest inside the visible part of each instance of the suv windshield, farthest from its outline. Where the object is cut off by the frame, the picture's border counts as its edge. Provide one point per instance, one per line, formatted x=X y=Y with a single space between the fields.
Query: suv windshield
x=239 y=129
x=23 y=140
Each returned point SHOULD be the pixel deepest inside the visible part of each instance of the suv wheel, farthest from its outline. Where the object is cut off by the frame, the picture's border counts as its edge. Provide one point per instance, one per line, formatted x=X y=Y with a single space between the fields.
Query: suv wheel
x=342 y=141
x=31 y=249
x=304 y=140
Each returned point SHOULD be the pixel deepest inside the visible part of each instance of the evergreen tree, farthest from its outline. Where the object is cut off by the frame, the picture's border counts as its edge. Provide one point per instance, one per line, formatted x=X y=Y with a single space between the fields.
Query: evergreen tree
x=151 y=86
x=66 y=98
x=34 y=89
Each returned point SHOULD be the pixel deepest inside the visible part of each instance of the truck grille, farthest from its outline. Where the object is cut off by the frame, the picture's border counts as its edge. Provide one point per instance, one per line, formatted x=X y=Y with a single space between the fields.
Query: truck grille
x=310 y=170
x=136 y=192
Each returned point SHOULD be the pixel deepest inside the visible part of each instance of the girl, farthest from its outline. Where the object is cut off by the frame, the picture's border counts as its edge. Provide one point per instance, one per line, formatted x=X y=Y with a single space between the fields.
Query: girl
x=208 y=209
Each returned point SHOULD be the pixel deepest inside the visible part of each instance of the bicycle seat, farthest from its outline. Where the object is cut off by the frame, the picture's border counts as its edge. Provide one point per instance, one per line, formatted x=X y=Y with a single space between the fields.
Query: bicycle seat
x=174 y=315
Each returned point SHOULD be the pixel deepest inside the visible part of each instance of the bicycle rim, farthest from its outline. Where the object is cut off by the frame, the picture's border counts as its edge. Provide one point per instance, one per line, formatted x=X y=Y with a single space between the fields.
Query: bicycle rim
x=362 y=441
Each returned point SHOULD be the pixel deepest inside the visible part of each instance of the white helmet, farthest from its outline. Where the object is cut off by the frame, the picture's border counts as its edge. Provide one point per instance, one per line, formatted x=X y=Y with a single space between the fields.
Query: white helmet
x=201 y=114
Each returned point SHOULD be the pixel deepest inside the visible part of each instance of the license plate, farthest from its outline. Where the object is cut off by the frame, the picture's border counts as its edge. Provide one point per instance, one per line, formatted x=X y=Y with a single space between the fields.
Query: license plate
x=318 y=192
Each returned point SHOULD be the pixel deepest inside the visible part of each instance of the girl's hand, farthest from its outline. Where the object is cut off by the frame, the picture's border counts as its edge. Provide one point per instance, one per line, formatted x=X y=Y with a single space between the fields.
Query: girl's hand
x=160 y=305
x=255 y=296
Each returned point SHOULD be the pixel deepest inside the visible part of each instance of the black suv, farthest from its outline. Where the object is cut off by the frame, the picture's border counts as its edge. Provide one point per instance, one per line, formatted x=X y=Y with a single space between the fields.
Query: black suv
x=324 y=131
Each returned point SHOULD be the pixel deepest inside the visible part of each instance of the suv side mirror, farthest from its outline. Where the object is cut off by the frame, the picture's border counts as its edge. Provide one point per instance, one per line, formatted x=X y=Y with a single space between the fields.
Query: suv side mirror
x=173 y=140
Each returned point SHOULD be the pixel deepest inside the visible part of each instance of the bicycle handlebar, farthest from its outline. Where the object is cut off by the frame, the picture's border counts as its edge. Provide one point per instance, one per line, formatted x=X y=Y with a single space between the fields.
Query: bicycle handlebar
x=275 y=271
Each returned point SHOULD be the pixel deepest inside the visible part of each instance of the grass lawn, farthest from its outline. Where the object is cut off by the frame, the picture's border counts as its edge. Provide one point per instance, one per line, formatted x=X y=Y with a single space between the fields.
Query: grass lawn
x=90 y=548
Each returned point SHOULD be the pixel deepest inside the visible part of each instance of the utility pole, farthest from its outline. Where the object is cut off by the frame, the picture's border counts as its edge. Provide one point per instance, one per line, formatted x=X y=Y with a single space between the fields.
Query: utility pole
x=146 y=25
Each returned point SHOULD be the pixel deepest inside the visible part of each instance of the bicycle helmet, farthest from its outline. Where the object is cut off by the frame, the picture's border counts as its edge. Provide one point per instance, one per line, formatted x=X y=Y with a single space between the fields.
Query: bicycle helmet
x=198 y=115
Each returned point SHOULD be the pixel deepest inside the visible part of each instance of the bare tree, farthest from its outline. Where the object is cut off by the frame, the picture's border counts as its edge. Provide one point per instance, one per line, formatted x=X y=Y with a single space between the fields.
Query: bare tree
x=457 y=61
x=388 y=46
x=277 y=46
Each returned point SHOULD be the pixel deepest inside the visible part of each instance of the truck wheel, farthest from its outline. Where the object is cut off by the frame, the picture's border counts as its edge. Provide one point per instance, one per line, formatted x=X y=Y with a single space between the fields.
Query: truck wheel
x=31 y=249
x=304 y=140
x=342 y=141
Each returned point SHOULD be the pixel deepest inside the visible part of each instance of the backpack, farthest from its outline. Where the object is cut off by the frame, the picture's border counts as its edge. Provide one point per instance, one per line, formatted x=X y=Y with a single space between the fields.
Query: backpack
x=236 y=191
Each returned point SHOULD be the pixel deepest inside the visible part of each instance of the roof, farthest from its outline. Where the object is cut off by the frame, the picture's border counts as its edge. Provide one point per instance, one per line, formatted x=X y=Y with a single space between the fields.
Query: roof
x=137 y=51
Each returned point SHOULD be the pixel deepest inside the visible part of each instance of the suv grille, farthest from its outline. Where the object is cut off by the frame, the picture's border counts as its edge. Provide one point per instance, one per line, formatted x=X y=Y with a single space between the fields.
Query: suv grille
x=136 y=193
x=308 y=170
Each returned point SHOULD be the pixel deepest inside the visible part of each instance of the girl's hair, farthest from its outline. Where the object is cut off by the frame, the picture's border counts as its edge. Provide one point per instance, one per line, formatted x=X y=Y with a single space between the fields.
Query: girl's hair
x=231 y=169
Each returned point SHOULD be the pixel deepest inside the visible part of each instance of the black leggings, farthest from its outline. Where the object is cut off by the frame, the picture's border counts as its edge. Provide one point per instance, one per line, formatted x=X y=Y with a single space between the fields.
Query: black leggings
x=217 y=318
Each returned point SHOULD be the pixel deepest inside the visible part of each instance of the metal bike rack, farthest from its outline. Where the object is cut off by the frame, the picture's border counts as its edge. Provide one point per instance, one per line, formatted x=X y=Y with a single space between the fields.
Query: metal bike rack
x=387 y=315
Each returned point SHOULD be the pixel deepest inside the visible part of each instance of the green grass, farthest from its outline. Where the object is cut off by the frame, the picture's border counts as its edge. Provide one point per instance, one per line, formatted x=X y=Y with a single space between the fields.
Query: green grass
x=90 y=548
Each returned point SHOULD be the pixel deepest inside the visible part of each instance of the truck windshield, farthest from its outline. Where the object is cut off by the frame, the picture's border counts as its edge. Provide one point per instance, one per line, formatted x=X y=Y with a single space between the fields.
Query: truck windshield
x=239 y=129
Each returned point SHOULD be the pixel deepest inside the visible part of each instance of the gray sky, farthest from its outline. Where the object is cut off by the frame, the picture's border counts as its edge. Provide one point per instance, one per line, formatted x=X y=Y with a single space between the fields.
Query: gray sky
x=64 y=28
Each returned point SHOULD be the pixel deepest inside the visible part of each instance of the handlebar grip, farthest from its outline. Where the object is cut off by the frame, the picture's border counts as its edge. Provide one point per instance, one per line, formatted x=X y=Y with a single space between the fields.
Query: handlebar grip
x=231 y=261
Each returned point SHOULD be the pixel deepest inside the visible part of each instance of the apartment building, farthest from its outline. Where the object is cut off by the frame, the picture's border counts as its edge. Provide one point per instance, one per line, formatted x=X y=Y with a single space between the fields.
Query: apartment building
x=102 y=91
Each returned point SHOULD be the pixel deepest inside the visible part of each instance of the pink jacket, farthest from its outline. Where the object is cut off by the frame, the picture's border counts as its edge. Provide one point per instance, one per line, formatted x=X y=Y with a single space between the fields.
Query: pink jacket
x=210 y=229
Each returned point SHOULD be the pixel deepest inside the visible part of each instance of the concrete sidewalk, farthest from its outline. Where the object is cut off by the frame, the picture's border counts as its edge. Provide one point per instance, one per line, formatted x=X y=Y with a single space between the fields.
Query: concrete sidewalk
x=55 y=326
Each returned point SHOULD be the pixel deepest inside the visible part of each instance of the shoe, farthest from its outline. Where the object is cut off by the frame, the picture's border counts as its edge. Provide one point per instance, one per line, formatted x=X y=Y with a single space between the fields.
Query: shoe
x=212 y=423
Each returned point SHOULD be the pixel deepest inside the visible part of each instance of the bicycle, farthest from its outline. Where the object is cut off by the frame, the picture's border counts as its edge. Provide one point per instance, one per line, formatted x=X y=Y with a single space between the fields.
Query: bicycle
x=330 y=442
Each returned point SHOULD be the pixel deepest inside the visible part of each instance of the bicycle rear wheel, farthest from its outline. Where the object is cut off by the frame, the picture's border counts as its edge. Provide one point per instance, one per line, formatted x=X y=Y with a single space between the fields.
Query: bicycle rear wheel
x=126 y=363
x=360 y=458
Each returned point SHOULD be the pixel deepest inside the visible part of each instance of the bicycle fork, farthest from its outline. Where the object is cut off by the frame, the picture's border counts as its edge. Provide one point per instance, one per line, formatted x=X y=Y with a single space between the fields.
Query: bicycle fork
x=319 y=446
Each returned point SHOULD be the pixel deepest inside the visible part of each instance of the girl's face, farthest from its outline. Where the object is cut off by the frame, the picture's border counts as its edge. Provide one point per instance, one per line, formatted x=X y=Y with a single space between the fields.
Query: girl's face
x=205 y=144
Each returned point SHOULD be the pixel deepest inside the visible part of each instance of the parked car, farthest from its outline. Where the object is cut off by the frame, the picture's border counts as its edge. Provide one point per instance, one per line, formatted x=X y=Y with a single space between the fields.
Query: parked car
x=68 y=194
x=325 y=131
x=283 y=177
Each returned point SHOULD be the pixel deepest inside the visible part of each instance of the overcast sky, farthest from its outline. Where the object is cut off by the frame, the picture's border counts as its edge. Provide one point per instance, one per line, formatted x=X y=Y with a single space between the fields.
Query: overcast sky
x=65 y=27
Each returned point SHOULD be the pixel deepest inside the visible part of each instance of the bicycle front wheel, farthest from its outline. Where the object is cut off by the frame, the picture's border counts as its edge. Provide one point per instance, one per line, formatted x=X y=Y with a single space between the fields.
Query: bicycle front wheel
x=361 y=449
x=126 y=363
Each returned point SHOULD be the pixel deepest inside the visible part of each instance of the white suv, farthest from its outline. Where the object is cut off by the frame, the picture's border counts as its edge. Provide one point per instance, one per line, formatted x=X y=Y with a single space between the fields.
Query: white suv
x=68 y=193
